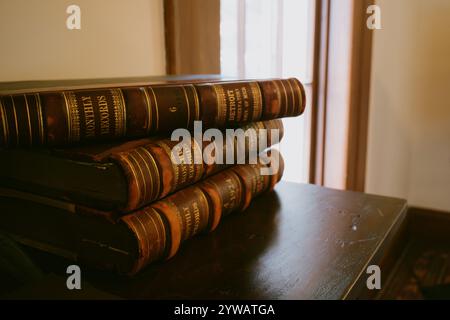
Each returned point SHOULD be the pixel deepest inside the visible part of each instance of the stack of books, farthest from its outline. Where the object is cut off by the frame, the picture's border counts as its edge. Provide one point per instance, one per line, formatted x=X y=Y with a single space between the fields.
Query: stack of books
x=117 y=176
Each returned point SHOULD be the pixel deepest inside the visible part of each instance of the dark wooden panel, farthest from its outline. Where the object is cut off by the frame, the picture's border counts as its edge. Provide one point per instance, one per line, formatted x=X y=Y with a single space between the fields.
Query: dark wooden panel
x=421 y=270
x=301 y=241
x=192 y=35
x=430 y=224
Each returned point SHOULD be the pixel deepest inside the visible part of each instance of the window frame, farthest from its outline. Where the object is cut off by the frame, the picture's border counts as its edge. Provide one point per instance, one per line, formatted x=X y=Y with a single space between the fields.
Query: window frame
x=337 y=157
x=328 y=81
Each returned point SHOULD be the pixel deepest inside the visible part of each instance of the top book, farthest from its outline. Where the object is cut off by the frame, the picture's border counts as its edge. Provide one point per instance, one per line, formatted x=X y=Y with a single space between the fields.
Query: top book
x=77 y=113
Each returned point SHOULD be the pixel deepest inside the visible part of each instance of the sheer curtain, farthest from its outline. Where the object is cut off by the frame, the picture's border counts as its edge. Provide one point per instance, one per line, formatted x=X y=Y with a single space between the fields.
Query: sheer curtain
x=272 y=38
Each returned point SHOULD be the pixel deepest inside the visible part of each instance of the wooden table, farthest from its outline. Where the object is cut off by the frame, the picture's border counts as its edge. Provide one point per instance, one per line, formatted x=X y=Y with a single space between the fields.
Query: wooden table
x=300 y=242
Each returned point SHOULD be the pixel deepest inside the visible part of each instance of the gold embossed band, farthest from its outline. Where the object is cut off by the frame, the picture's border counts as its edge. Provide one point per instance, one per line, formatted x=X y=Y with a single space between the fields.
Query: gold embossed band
x=144 y=176
x=72 y=116
x=148 y=107
x=16 y=124
x=188 y=106
x=285 y=109
x=156 y=109
x=120 y=115
x=40 y=117
x=292 y=94
x=229 y=188
x=149 y=230
x=299 y=92
x=153 y=172
x=30 y=129
x=4 y=123
x=257 y=101
x=196 y=102
x=221 y=103
x=133 y=182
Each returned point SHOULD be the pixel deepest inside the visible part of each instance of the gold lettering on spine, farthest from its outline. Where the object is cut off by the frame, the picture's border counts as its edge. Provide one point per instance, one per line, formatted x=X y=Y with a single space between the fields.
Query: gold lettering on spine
x=244 y=104
x=221 y=103
x=15 y=119
x=40 y=117
x=257 y=101
x=190 y=214
x=196 y=210
x=220 y=190
x=230 y=193
x=120 y=116
x=235 y=190
x=188 y=221
x=89 y=116
x=148 y=107
x=4 y=123
x=104 y=115
x=187 y=166
x=180 y=217
x=156 y=109
x=73 y=116
x=28 y=118
x=198 y=159
x=232 y=104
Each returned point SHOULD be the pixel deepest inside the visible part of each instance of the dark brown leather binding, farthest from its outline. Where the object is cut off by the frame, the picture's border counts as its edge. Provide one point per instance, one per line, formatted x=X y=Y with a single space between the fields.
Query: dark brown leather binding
x=152 y=173
x=160 y=228
x=126 y=244
x=58 y=118
x=123 y=177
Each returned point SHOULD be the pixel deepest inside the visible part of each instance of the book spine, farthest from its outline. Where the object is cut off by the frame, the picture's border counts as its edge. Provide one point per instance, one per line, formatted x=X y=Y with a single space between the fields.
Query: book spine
x=77 y=116
x=161 y=228
x=152 y=171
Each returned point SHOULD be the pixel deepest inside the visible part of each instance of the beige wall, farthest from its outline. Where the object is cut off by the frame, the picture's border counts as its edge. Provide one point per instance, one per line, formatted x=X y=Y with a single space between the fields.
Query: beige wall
x=409 y=129
x=118 y=38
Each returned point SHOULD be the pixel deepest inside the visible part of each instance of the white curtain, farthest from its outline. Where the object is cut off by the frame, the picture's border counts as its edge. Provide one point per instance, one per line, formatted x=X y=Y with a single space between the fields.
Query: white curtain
x=267 y=39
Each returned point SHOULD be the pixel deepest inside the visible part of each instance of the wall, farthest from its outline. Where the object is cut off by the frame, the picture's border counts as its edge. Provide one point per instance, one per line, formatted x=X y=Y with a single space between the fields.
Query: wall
x=409 y=124
x=117 y=39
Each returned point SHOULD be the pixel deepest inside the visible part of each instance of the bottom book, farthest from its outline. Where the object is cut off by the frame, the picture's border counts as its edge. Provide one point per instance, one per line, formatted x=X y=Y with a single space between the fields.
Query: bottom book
x=126 y=244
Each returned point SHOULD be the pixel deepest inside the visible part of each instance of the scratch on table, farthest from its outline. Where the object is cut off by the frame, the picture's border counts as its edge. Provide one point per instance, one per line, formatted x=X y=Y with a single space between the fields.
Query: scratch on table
x=380 y=212
x=363 y=240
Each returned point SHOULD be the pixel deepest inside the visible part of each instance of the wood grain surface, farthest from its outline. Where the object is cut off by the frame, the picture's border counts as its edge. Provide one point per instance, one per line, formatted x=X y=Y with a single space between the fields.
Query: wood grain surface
x=298 y=242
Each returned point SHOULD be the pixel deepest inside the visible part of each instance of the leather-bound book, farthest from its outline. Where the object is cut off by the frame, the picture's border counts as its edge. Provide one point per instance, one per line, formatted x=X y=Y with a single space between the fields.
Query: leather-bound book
x=72 y=116
x=122 y=177
x=126 y=244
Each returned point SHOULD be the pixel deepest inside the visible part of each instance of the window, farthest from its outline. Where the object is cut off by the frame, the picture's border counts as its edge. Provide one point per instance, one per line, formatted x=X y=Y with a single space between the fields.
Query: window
x=267 y=39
